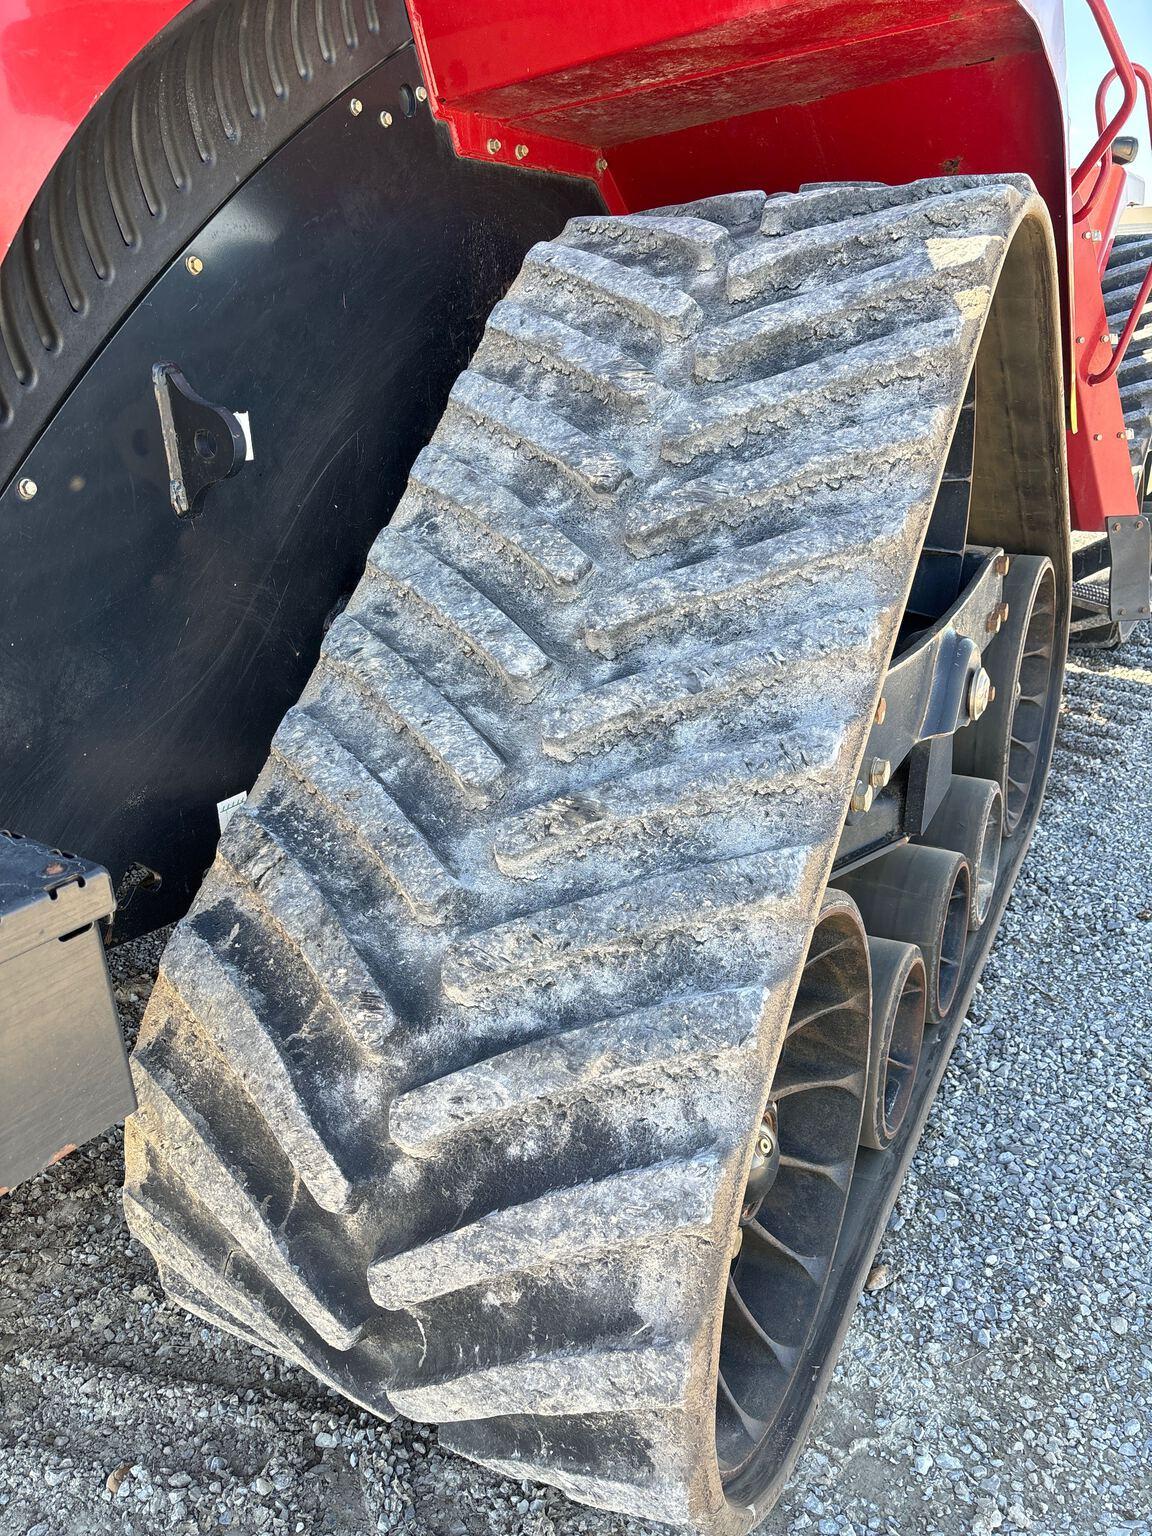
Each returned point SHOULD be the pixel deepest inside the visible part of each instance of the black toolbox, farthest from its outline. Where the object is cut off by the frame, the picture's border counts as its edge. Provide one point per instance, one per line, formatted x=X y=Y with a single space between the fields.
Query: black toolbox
x=63 y=1070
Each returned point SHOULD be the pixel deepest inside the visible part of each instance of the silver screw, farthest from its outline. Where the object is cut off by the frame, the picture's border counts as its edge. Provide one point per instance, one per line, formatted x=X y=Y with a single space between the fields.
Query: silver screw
x=862 y=797
x=385 y=119
x=194 y=265
x=421 y=93
x=879 y=772
x=26 y=489
x=765 y=1146
x=355 y=106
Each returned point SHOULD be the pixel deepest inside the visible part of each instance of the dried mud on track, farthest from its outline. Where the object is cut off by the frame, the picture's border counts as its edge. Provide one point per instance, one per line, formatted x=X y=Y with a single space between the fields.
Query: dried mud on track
x=1000 y=1380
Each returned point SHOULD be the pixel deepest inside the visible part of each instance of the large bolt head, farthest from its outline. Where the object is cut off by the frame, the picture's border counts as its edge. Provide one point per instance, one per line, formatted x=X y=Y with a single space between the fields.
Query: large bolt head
x=879 y=772
x=980 y=693
x=862 y=796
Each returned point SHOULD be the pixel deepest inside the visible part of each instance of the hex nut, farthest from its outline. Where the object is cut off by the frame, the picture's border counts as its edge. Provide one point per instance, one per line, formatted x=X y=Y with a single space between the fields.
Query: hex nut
x=355 y=106
x=493 y=146
x=997 y=618
x=879 y=772
x=862 y=796
x=521 y=151
x=385 y=119
x=194 y=265
x=421 y=93
x=26 y=488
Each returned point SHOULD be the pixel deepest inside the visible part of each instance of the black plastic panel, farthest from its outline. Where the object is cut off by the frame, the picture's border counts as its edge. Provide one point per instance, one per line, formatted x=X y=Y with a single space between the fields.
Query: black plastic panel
x=213 y=95
x=148 y=657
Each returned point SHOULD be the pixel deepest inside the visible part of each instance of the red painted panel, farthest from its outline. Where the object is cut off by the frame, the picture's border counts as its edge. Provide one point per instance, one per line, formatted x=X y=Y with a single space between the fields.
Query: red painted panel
x=528 y=56
x=56 y=58
x=661 y=100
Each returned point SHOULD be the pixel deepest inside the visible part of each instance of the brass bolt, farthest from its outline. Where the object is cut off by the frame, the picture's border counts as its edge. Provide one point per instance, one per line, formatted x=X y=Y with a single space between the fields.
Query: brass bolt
x=997 y=619
x=493 y=146
x=862 y=796
x=879 y=772
x=521 y=151
x=1003 y=564
x=385 y=119
x=194 y=265
x=355 y=106
x=421 y=93
x=881 y=711
x=26 y=489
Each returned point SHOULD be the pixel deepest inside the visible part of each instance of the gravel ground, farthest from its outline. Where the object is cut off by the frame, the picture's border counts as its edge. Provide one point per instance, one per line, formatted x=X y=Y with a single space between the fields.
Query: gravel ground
x=999 y=1377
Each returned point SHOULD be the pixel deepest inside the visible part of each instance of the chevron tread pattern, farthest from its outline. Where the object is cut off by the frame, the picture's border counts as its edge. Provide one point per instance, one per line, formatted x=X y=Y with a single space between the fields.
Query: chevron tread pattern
x=464 y=1040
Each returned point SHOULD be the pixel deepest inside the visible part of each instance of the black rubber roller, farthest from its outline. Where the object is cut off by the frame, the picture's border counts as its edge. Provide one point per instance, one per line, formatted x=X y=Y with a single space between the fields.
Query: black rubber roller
x=1006 y=742
x=898 y=1012
x=918 y=896
x=971 y=821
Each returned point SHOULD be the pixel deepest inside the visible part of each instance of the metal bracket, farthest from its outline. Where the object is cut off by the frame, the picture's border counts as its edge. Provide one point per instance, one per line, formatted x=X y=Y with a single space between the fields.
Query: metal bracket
x=204 y=443
x=1130 y=556
x=939 y=683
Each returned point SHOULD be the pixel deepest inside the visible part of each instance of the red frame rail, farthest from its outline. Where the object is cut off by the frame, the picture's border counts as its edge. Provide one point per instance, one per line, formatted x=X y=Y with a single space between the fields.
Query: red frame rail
x=1099 y=461
x=1145 y=79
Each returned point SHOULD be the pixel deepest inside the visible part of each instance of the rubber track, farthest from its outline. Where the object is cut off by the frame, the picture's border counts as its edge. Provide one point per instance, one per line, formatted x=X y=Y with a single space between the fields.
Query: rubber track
x=1128 y=265
x=449 y=1081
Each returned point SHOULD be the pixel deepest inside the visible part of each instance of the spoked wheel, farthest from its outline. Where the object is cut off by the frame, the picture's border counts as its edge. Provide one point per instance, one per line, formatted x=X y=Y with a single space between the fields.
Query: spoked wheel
x=1005 y=743
x=899 y=1012
x=796 y=1193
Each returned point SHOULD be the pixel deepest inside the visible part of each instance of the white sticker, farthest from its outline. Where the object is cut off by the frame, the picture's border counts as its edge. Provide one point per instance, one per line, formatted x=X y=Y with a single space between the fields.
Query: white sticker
x=226 y=809
x=246 y=427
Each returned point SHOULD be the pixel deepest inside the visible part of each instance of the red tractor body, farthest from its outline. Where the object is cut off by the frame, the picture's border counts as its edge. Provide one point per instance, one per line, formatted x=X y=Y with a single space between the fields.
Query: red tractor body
x=538 y=537
x=659 y=103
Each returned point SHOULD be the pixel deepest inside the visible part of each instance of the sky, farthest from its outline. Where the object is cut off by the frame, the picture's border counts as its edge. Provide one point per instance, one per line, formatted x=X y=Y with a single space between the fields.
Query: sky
x=1088 y=62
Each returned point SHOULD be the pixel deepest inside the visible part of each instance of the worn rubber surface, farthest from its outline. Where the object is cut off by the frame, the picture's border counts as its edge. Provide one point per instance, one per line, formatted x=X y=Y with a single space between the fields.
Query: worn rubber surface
x=448 y=1085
